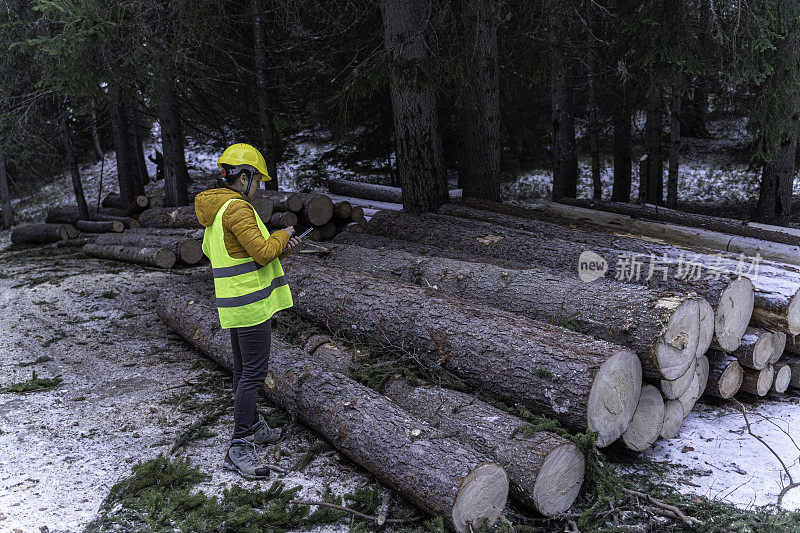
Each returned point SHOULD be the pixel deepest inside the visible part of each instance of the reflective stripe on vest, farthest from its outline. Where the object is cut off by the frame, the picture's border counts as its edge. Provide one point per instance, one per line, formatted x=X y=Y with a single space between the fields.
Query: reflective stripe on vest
x=247 y=293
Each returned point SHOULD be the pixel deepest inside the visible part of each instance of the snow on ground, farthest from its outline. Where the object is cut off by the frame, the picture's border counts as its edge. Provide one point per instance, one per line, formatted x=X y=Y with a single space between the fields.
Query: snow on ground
x=715 y=456
x=62 y=450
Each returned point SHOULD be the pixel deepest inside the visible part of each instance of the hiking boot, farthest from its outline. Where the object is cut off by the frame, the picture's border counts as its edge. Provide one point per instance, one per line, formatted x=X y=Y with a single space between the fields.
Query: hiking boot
x=242 y=458
x=264 y=434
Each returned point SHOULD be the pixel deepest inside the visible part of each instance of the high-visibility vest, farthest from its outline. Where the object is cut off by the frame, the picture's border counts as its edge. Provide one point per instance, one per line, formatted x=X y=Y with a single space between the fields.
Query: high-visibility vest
x=247 y=292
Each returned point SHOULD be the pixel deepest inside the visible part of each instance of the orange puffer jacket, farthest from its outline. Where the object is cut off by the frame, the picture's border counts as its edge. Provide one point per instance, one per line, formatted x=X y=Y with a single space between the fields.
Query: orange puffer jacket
x=241 y=234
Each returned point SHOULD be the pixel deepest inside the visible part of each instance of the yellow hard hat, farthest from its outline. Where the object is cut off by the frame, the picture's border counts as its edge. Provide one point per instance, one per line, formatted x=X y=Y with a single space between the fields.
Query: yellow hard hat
x=244 y=154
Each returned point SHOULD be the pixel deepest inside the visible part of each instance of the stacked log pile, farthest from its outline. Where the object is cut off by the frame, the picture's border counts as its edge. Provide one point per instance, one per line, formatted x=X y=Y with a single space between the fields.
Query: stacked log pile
x=755 y=364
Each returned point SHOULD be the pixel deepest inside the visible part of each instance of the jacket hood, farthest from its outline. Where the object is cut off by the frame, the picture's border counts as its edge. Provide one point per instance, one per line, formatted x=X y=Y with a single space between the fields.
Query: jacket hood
x=208 y=203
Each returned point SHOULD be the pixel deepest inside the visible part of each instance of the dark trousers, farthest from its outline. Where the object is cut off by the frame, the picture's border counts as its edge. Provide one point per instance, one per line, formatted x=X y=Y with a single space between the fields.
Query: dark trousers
x=250 y=357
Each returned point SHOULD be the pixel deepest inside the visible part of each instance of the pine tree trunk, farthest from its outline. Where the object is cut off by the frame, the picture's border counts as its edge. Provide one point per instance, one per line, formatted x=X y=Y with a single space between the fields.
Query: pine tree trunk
x=622 y=148
x=420 y=163
x=170 y=217
x=138 y=151
x=565 y=166
x=594 y=125
x=268 y=136
x=129 y=186
x=98 y=147
x=479 y=115
x=674 y=144
x=775 y=195
x=71 y=160
x=651 y=184
x=5 y=196
x=176 y=191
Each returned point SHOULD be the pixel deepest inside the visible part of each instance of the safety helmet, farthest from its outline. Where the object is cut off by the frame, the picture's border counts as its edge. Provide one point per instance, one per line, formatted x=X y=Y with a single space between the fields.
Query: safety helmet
x=240 y=154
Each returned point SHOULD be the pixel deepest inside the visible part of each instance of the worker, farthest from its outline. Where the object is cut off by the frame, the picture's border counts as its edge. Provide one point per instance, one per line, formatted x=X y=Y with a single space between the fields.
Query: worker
x=250 y=287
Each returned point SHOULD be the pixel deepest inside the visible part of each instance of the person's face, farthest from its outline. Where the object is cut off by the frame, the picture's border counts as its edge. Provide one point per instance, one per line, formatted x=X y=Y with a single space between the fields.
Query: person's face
x=241 y=185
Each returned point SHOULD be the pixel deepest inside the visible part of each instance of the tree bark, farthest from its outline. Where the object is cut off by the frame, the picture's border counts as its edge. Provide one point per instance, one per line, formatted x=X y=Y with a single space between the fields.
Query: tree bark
x=661 y=327
x=188 y=251
x=594 y=124
x=5 y=196
x=435 y=472
x=552 y=371
x=724 y=375
x=170 y=217
x=622 y=148
x=168 y=232
x=756 y=348
x=420 y=163
x=371 y=193
x=758 y=382
x=98 y=226
x=545 y=470
x=267 y=134
x=70 y=215
x=565 y=249
x=775 y=196
x=565 y=166
x=674 y=142
x=478 y=117
x=71 y=162
x=176 y=191
x=652 y=184
x=155 y=257
x=98 y=147
x=777 y=304
x=42 y=233
x=129 y=185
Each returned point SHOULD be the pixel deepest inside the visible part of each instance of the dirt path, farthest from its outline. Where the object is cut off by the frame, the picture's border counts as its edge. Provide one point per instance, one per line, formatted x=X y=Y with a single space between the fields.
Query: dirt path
x=63 y=449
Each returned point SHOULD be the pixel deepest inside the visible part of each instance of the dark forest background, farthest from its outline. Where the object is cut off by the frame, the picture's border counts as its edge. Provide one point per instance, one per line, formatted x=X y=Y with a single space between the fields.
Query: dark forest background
x=479 y=89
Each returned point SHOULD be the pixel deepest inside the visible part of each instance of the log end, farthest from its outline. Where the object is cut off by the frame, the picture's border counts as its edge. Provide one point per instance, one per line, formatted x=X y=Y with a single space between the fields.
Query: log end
x=765 y=379
x=165 y=258
x=319 y=210
x=763 y=351
x=672 y=389
x=778 y=346
x=706 y=314
x=673 y=419
x=191 y=251
x=677 y=345
x=560 y=479
x=703 y=369
x=647 y=422
x=733 y=313
x=481 y=497
x=793 y=314
x=731 y=380
x=117 y=226
x=614 y=396
x=690 y=397
x=782 y=379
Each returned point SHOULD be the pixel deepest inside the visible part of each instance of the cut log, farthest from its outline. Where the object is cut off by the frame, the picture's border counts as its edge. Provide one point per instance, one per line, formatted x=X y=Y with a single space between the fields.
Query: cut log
x=327 y=231
x=725 y=375
x=70 y=215
x=355 y=227
x=545 y=470
x=758 y=382
x=647 y=422
x=371 y=204
x=90 y=226
x=673 y=419
x=433 y=471
x=317 y=209
x=731 y=226
x=170 y=217
x=702 y=374
x=756 y=349
x=794 y=364
x=282 y=219
x=264 y=206
x=567 y=249
x=342 y=209
x=113 y=200
x=42 y=233
x=187 y=251
x=284 y=201
x=690 y=397
x=683 y=235
x=169 y=232
x=155 y=257
x=783 y=376
x=156 y=201
x=779 y=346
x=314 y=235
x=371 y=191
x=662 y=327
x=672 y=389
x=583 y=382
x=357 y=214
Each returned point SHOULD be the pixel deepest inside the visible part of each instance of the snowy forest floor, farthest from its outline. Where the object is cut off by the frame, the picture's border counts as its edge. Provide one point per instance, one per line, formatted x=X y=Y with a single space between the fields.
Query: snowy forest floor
x=129 y=385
